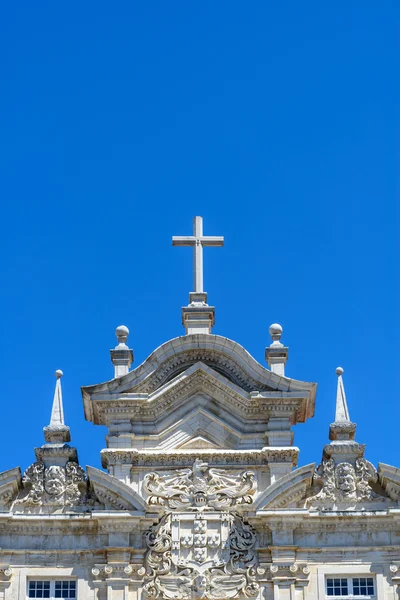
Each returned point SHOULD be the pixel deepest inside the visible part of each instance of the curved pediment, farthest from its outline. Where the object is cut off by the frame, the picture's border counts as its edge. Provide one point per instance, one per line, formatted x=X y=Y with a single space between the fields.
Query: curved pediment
x=224 y=357
x=389 y=479
x=287 y=491
x=167 y=410
x=10 y=485
x=112 y=492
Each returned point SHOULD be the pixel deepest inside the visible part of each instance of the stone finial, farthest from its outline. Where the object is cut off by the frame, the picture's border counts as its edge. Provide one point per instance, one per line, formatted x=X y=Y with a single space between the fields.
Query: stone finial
x=276 y=354
x=122 y=333
x=275 y=331
x=121 y=355
x=57 y=431
x=342 y=428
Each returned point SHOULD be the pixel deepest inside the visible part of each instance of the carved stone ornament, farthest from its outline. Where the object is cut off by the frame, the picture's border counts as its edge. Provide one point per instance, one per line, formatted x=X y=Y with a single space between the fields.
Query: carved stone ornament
x=200 y=487
x=206 y=555
x=345 y=483
x=53 y=486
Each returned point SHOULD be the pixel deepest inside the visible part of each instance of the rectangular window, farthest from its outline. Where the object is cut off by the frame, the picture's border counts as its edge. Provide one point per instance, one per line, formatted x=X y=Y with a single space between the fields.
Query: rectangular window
x=350 y=587
x=64 y=589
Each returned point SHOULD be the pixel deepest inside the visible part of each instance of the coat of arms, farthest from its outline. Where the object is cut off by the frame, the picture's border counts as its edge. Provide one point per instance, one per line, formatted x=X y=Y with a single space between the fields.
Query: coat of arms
x=201 y=552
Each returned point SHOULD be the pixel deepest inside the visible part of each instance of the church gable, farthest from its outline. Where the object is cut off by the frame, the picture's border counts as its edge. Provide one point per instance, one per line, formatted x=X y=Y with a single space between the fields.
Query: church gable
x=202 y=499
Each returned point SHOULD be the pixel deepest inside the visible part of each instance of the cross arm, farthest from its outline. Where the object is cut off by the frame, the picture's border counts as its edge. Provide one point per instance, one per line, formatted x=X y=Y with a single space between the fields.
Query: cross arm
x=212 y=240
x=183 y=240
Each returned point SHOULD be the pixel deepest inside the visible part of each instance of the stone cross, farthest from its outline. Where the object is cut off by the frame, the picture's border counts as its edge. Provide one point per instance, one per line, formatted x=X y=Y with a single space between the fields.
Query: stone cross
x=198 y=240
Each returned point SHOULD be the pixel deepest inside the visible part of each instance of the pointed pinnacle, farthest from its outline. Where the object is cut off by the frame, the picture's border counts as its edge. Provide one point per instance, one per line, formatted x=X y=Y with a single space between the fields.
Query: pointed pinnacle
x=57 y=431
x=342 y=411
x=342 y=428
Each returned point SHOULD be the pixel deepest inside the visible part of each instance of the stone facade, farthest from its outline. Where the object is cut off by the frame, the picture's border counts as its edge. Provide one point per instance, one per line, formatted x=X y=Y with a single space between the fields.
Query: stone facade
x=200 y=496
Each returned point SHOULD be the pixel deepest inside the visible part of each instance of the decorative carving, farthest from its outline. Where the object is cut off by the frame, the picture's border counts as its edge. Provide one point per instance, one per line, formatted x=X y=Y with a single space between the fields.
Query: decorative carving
x=221 y=363
x=5 y=573
x=216 y=561
x=199 y=487
x=162 y=458
x=344 y=483
x=247 y=405
x=119 y=570
x=54 y=485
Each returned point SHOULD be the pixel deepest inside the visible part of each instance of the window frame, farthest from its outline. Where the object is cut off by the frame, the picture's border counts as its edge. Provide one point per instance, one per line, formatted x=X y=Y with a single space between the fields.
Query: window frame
x=52 y=591
x=349 y=583
x=347 y=568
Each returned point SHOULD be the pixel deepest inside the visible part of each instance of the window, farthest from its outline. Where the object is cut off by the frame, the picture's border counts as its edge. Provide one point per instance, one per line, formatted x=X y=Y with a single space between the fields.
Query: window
x=65 y=589
x=350 y=587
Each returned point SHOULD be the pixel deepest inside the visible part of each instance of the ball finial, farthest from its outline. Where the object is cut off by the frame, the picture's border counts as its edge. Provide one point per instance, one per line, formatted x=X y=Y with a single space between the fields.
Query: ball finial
x=339 y=371
x=122 y=333
x=275 y=331
x=58 y=373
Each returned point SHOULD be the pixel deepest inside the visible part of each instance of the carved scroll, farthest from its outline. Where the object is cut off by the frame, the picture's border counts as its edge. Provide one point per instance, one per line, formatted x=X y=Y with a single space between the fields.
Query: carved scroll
x=199 y=487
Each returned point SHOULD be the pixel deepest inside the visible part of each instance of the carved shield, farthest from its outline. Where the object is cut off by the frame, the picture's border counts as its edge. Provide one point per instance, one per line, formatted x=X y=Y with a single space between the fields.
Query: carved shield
x=200 y=540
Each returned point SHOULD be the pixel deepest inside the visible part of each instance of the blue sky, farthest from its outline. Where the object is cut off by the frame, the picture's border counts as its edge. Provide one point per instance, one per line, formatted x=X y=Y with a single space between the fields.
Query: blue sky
x=275 y=121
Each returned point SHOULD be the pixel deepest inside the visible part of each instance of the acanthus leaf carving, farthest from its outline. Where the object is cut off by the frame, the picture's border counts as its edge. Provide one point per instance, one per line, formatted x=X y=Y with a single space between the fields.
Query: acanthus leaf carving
x=343 y=482
x=200 y=487
x=53 y=485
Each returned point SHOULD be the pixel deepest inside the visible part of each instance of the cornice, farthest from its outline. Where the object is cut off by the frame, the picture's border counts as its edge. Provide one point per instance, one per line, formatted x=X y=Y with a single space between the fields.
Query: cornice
x=215 y=457
x=201 y=379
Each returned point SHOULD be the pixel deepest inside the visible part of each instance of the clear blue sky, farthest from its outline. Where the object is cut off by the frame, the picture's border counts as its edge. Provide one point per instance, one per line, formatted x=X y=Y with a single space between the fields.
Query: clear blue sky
x=275 y=121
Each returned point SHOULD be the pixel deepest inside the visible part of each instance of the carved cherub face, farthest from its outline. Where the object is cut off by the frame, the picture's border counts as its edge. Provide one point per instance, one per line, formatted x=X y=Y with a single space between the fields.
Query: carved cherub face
x=200 y=583
x=55 y=481
x=345 y=478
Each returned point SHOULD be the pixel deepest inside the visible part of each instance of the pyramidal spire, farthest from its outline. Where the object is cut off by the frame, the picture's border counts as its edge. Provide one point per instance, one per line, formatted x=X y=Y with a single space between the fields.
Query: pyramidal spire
x=57 y=432
x=342 y=411
x=342 y=428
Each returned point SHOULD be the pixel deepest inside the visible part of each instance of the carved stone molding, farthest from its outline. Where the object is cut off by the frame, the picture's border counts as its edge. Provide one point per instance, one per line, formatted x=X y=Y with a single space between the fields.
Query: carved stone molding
x=395 y=573
x=348 y=448
x=200 y=487
x=215 y=457
x=297 y=572
x=246 y=405
x=5 y=573
x=221 y=363
x=117 y=570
